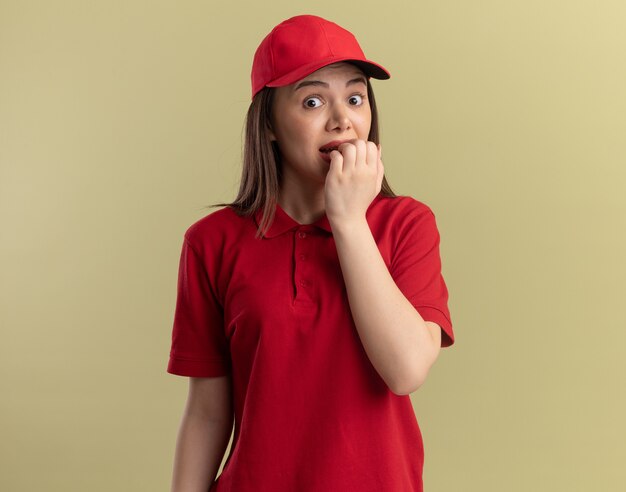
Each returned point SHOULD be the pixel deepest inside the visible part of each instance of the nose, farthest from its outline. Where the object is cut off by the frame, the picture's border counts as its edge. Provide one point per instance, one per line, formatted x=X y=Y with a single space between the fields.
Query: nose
x=338 y=118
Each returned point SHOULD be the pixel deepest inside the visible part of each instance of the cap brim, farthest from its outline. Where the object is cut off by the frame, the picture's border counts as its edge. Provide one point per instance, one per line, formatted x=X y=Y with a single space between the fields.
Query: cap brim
x=369 y=68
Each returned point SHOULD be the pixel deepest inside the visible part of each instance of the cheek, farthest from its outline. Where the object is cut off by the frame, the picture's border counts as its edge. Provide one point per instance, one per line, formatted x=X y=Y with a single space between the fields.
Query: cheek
x=295 y=144
x=362 y=121
x=364 y=128
x=302 y=134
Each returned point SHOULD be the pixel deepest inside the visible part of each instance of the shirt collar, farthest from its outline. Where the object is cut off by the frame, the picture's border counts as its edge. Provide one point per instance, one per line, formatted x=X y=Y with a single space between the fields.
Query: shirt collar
x=283 y=222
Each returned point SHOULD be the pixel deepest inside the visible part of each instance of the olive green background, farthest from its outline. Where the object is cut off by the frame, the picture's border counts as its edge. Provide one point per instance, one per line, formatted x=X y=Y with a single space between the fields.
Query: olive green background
x=120 y=120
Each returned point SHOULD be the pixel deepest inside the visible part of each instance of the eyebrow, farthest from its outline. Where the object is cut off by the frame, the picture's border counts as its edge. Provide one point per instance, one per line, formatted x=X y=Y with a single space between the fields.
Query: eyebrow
x=324 y=84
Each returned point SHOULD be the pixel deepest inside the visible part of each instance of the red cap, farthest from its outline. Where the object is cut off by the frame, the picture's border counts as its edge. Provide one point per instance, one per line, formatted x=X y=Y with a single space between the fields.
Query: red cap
x=303 y=44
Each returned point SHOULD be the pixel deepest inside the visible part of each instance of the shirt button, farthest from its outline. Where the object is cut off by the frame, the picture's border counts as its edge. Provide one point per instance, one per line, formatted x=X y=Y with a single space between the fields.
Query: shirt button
x=302 y=234
x=303 y=257
x=304 y=282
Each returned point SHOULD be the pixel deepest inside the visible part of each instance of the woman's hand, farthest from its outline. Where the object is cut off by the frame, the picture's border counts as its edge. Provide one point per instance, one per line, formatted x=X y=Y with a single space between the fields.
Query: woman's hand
x=353 y=180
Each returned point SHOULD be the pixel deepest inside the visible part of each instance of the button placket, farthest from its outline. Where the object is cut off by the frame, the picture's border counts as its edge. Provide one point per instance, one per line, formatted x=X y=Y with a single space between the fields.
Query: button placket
x=302 y=270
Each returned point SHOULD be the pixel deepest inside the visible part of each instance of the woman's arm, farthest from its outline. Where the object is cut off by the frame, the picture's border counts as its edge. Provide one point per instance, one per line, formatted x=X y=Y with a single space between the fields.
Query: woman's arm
x=400 y=344
x=204 y=433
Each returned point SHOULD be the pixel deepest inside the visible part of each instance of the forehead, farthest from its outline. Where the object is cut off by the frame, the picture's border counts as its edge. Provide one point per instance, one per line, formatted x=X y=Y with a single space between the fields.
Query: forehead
x=336 y=69
x=320 y=78
x=344 y=72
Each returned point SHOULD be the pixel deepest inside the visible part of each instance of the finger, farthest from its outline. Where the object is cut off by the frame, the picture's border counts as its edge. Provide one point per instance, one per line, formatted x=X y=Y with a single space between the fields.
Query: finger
x=362 y=151
x=381 y=168
x=349 y=152
x=371 y=158
x=336 y=162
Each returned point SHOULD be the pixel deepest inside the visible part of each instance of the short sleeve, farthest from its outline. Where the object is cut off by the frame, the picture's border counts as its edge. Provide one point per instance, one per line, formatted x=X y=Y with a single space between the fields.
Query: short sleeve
x=416 y=269
x=199 y=347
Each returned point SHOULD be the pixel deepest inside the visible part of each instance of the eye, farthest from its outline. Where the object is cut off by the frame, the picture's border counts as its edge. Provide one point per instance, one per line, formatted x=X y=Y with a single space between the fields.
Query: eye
x=362 y=96
x=310 y=99
x=353 y=96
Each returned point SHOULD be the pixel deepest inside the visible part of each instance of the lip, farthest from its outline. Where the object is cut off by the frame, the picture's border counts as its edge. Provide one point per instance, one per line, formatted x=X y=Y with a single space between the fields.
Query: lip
x=335 y=143
x=325 y=156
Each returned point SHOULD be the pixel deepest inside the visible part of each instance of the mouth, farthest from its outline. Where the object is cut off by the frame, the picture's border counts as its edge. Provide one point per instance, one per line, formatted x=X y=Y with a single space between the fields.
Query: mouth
x=328 y=147
x=325 y=155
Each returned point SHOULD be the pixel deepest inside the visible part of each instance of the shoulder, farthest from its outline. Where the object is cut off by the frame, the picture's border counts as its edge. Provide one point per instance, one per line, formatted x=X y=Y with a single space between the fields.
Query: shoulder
x=215 y=228
x=400 y=209
x=397 y=221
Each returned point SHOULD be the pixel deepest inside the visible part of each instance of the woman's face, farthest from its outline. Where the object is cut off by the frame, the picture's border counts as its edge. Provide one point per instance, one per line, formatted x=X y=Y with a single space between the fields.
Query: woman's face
x=307 y=115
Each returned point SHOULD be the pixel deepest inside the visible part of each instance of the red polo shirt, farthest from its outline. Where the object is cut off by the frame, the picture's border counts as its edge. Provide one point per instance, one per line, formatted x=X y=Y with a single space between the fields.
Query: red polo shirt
x=311 y=412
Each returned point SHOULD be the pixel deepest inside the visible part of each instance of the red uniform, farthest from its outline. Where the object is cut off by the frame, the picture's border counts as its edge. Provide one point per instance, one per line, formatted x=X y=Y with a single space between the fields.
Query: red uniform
x=311 y=412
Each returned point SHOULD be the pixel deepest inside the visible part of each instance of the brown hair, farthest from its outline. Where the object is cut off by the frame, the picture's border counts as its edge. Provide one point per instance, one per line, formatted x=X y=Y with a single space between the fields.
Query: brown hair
x=260 y=178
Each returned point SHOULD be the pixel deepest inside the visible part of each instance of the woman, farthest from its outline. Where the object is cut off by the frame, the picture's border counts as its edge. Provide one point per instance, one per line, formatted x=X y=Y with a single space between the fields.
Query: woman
x=310 y=307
